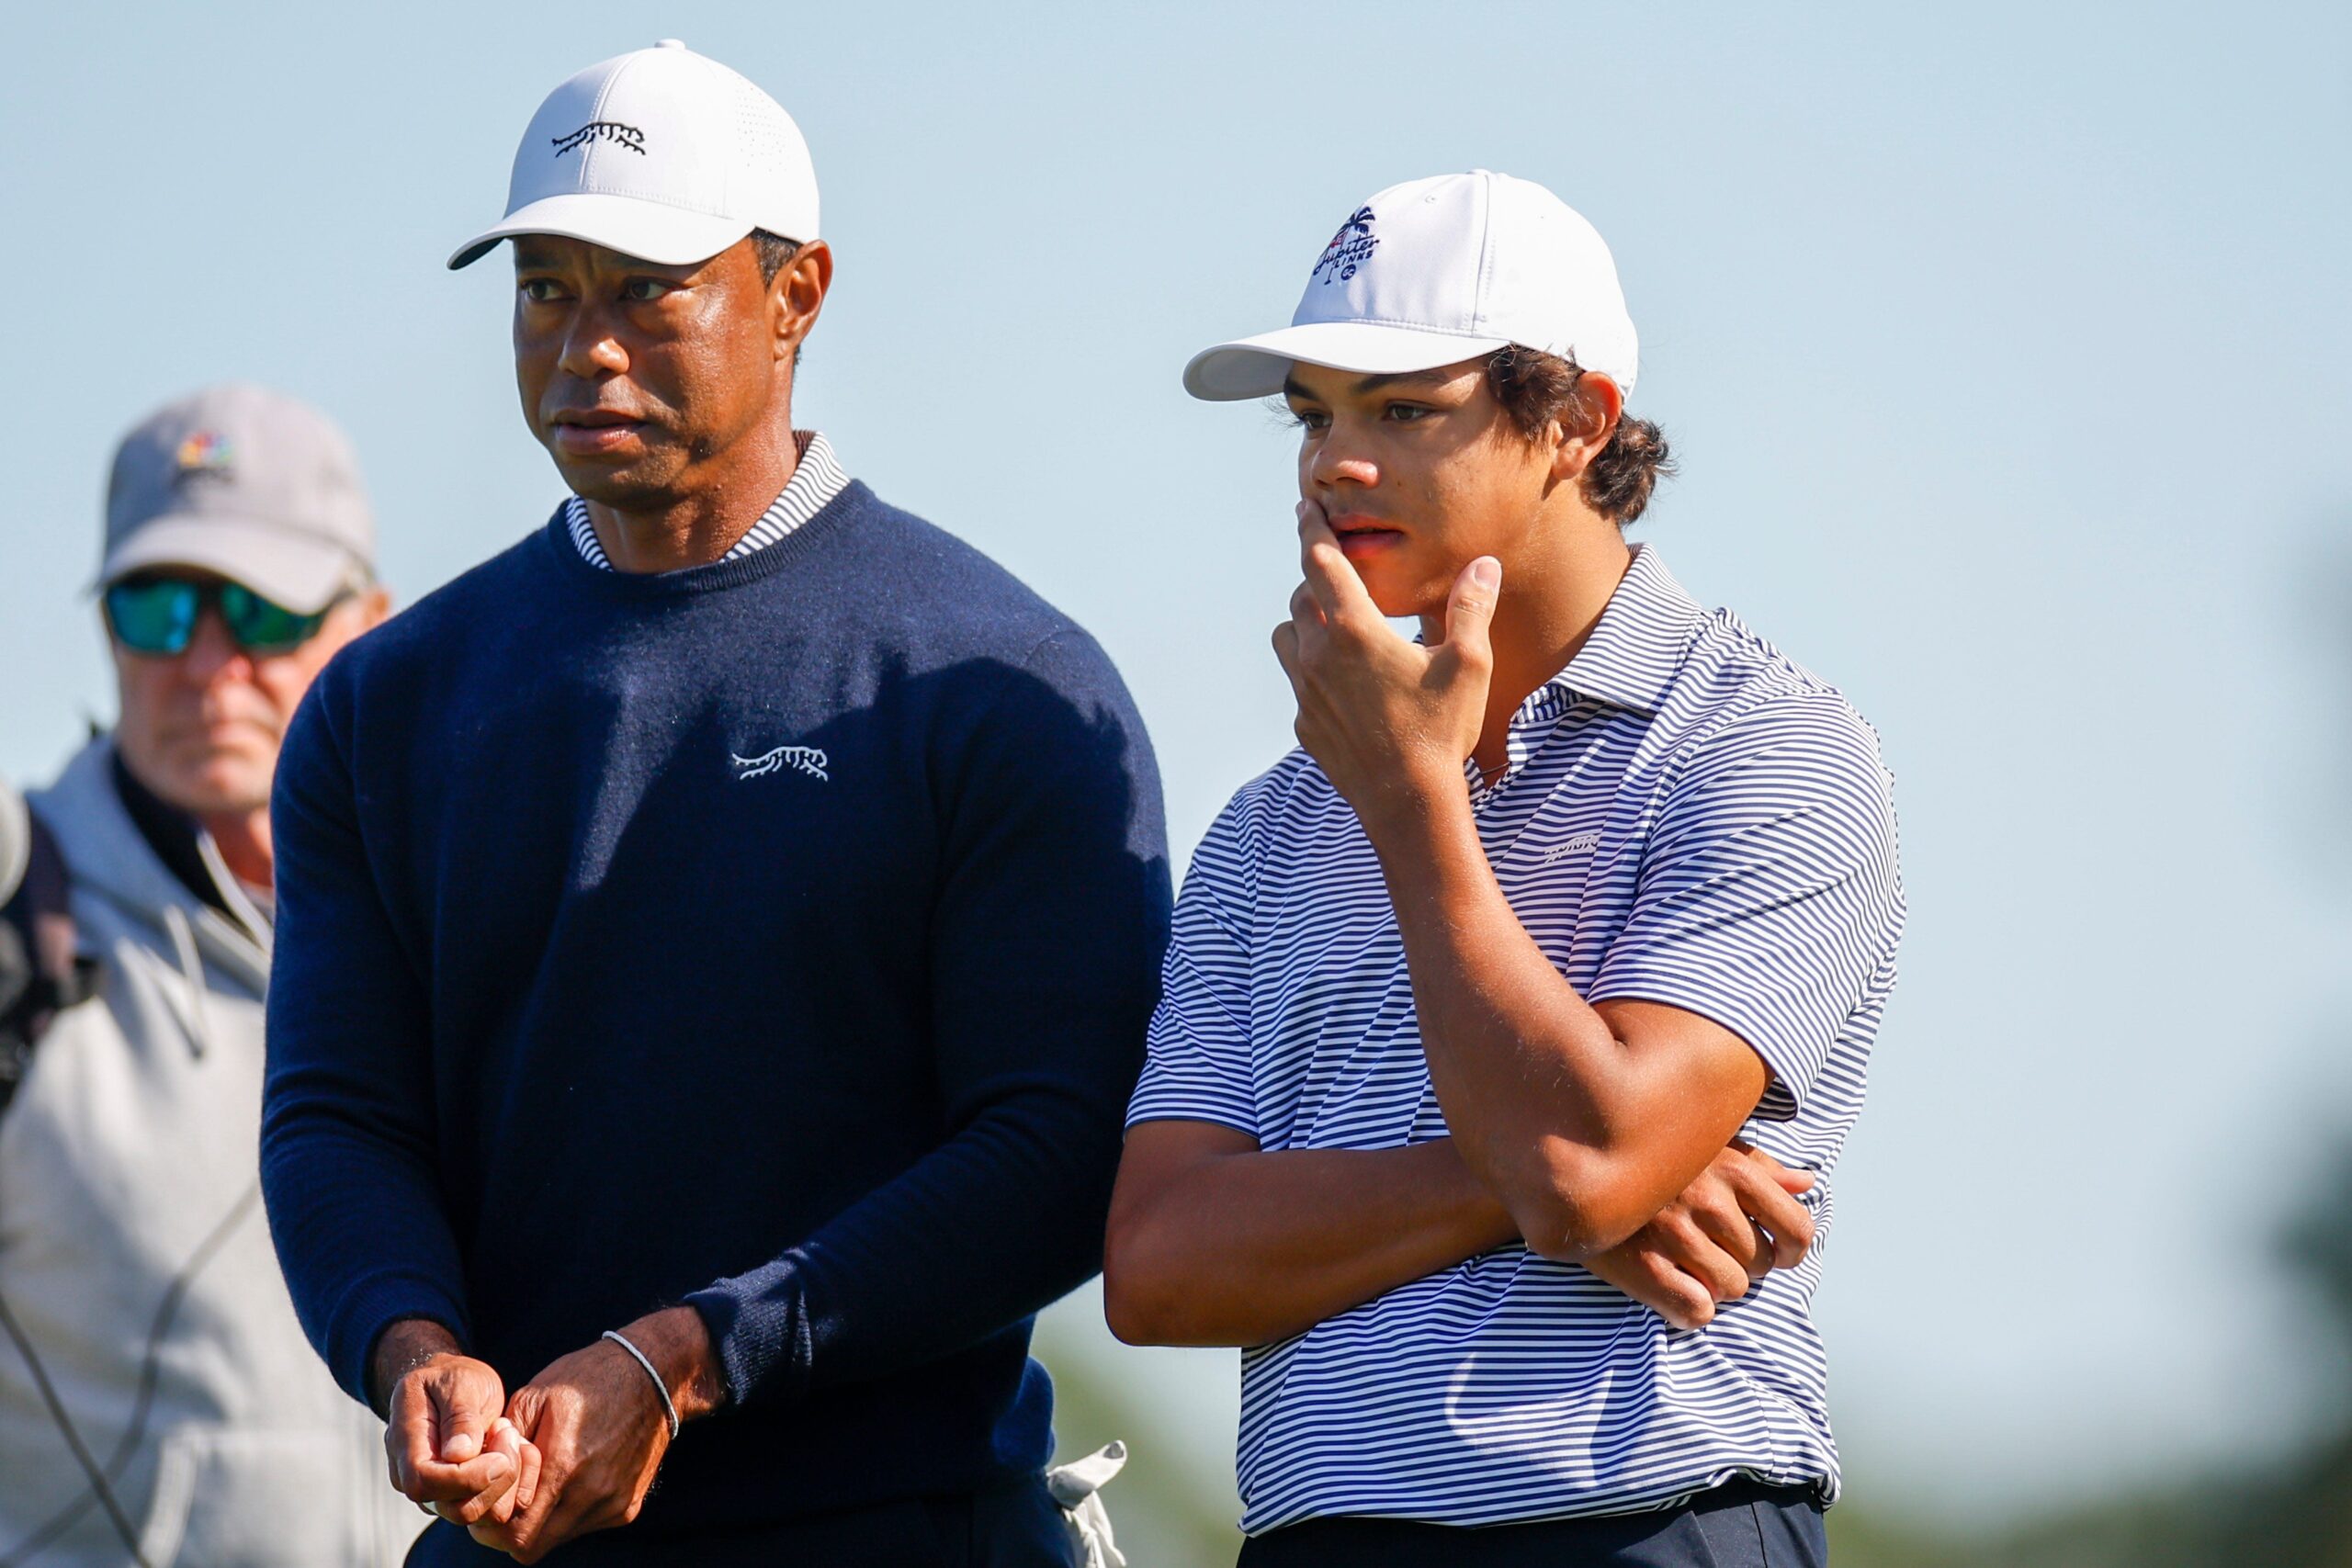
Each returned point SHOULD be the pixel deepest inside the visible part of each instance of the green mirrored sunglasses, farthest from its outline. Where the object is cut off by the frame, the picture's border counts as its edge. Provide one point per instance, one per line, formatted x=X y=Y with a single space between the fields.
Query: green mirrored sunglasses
x=157 y=615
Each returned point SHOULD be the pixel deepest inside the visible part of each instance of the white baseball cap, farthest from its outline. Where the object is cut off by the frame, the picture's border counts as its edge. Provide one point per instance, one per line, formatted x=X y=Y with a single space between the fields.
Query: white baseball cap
x=661 y=154
x=1433 y=272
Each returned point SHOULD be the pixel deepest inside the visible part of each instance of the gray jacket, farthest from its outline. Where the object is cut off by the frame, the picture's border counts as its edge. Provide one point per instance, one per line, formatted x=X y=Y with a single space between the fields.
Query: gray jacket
x=135 y=1263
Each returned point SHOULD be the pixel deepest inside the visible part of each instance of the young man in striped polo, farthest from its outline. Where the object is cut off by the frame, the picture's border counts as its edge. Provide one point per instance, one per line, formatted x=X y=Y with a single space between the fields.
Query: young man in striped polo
x=1478 y=1000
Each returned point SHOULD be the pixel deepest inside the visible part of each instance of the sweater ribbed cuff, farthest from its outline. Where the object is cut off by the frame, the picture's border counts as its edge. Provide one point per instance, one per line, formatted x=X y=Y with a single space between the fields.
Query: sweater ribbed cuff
x=759 y=1323
x=373 y=1306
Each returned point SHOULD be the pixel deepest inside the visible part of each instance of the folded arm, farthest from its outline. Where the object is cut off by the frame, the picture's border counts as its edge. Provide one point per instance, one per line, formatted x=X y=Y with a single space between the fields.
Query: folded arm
x=1766 y=881
x=1585 y=1121
x=1213 y=1242
x=1766 y=893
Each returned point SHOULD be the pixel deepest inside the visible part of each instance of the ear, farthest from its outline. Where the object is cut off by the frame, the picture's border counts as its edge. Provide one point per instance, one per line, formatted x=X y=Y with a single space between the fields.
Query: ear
x=797 y=294
x=374 y=606
x=1584 y=426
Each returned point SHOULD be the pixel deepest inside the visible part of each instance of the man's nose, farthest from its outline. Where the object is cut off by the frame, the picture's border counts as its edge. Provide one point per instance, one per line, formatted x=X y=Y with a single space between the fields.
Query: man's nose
x=211 y=650
x=1334 y=463
x=590 y=350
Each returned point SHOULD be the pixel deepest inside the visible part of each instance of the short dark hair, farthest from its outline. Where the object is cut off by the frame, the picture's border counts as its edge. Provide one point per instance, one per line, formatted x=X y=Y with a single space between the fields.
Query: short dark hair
x=775 y=253
x=1535 y=388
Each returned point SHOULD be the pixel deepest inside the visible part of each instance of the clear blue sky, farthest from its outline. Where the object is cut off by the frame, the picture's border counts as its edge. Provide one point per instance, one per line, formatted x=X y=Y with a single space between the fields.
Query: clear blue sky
x=2007 y=353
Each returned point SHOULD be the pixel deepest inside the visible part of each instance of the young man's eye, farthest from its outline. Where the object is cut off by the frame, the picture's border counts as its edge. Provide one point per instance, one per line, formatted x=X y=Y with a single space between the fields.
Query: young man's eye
x=540 y=290
x=1309 y=419
x=1408 y=413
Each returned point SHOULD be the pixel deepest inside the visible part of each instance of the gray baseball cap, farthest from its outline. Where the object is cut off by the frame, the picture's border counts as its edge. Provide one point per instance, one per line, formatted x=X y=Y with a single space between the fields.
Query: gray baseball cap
x=245 y=482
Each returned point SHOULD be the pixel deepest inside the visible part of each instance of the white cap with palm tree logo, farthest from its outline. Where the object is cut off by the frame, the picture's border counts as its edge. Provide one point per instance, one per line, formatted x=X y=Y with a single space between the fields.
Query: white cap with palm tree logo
x=1436 y=271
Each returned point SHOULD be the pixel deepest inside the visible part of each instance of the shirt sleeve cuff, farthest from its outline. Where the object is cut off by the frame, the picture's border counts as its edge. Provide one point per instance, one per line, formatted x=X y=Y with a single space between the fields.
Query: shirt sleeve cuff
x=1178 y=1113
x=1793 y=1064
x=759 y=1323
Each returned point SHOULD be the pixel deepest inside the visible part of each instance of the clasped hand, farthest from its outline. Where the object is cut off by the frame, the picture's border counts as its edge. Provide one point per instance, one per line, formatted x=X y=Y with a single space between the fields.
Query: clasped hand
x=574 y=1451
x=1734 y=1223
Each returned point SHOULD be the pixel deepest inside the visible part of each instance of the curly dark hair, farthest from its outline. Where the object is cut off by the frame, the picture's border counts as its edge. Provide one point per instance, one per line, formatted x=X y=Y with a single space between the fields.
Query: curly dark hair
x=1535 y=388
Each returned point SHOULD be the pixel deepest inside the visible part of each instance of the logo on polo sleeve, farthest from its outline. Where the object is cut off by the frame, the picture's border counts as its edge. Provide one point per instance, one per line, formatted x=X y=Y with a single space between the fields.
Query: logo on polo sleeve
x=1350 y=248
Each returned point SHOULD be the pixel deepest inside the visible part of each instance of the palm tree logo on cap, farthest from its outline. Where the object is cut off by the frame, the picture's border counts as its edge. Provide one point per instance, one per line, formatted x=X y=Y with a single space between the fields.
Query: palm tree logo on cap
x=1350 y=248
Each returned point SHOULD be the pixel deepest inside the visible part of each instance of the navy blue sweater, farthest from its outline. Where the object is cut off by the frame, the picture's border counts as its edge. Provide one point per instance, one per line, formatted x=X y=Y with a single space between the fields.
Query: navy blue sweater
x=776 y=936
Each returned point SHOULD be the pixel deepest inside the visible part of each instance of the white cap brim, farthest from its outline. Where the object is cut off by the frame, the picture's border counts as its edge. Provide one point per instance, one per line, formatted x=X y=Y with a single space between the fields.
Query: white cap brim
x=1256 y=366
x=671 y=236
x=299 y=571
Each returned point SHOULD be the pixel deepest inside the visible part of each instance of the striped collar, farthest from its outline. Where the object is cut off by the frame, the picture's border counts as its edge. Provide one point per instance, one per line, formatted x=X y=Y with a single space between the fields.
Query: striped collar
x=816 y=480
x=1627 y=660
x=1629 y=656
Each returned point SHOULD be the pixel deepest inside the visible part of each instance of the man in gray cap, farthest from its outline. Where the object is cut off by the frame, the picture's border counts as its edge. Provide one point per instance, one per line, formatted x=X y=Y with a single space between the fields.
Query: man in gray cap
x=156 y=1396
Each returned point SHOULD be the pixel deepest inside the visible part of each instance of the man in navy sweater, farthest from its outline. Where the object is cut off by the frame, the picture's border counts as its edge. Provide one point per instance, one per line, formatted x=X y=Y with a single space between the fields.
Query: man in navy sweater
x=715 y=936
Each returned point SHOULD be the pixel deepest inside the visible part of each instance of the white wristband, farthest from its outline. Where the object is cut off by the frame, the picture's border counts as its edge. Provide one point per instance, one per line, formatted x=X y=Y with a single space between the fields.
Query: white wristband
x=667 y=1408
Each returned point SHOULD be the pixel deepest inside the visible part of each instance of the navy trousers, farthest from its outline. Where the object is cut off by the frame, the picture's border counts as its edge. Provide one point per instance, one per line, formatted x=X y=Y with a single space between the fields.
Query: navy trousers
x=1011 y=1527
x=1742 y=1525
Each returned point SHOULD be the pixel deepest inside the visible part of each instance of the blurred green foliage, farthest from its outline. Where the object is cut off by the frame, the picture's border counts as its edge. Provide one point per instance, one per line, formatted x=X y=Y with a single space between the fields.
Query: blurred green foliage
x=1163 y=1514
x=2290 y=1509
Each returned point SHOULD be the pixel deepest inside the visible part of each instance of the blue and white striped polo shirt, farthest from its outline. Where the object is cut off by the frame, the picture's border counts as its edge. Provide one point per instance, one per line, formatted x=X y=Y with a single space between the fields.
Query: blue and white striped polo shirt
x=1688 y=817
x=816 y=480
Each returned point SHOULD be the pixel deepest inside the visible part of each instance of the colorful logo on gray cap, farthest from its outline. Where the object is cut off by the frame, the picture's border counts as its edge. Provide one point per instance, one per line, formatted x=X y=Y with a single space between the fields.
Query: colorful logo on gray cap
x=1350 y=248
x=204 y=454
